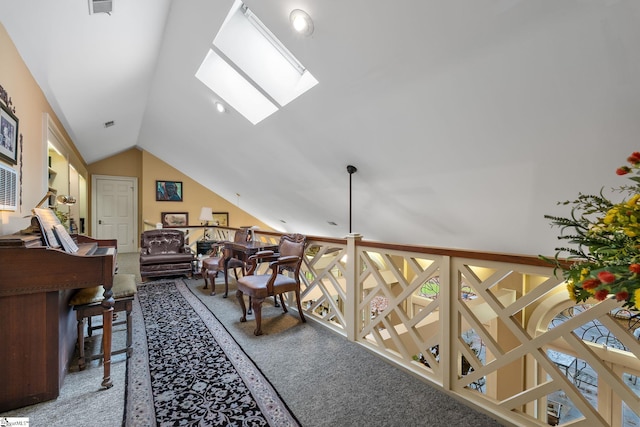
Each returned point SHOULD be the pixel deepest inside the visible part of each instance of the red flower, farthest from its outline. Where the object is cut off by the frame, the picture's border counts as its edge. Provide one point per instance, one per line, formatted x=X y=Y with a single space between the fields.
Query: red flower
x=606 y=277
x=601 y=295
x=622 y=296
x=635 y=268
x=623 y=170
x=634 y=158
x=590 y=284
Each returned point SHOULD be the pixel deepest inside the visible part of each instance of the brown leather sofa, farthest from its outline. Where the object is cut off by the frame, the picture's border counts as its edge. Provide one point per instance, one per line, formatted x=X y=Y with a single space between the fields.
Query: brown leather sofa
x=163 y=253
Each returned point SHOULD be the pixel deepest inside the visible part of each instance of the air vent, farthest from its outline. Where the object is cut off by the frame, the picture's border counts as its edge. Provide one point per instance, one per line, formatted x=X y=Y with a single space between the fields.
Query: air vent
x=100 y=6
x=8 y=189
x=109 y=124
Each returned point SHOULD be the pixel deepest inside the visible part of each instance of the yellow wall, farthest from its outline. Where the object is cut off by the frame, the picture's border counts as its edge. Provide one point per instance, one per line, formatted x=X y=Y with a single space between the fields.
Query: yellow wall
x=30 y=105
x=195 y=196
x=127 y=163
x=148 y=169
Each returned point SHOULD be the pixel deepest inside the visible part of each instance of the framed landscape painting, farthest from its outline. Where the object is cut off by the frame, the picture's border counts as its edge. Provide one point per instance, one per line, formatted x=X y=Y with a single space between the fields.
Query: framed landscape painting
x=175 y=219
x=221 y=219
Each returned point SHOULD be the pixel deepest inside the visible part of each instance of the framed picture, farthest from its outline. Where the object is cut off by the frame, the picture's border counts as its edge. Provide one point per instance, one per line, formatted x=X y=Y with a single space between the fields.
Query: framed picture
x=169 y=191
x=8 y=135
x=175 y=219
x=221 y=219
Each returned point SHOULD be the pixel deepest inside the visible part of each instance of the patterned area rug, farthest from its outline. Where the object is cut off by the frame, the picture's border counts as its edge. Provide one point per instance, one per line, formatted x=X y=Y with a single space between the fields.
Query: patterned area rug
x=187 y=370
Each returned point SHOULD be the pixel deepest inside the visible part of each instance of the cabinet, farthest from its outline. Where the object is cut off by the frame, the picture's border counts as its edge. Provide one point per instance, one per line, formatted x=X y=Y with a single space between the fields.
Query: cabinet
x=66 y=177
x=203 y=247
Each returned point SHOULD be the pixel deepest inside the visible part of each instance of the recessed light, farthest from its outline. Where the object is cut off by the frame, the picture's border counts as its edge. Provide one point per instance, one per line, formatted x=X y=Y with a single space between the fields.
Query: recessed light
x=301 y=22
x=220 y=107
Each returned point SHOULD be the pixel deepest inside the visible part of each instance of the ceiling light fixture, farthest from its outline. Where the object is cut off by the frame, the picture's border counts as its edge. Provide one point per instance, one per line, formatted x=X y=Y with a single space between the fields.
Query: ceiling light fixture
x=220 y=107
x=301 y=22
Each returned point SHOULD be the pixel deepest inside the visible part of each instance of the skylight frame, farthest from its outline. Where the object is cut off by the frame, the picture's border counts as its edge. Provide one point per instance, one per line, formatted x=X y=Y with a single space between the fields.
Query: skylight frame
x=254 y=54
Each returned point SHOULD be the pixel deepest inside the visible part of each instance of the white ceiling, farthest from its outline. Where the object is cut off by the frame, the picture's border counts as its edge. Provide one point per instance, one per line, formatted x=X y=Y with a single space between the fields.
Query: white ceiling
x=467 y=119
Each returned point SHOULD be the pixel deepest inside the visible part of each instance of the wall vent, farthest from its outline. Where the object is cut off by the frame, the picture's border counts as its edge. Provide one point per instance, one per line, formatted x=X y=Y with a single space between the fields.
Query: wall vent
x=8 y=189
x=100 y=6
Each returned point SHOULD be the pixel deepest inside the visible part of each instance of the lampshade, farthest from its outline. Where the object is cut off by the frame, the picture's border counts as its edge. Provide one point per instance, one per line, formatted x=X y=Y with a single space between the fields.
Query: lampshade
x=206 y=214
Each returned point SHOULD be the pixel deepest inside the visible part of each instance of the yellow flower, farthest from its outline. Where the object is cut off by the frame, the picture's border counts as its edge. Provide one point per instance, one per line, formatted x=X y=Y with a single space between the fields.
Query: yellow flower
x=633 y=201
x=571 y=289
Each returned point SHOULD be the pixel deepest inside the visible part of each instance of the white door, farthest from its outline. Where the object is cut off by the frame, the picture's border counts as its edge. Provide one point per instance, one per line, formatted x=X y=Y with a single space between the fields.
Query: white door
x=115 y=210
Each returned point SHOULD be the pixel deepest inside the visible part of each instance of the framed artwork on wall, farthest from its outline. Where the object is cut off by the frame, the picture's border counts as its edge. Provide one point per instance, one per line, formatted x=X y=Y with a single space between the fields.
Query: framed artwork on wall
x=174 y=219
x=169 y=191
x=8 y=135
x=221 y=219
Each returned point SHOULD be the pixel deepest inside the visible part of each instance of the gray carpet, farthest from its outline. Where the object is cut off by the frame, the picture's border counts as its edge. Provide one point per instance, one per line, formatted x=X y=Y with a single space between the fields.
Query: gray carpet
x=327 y=380
x=323 y=378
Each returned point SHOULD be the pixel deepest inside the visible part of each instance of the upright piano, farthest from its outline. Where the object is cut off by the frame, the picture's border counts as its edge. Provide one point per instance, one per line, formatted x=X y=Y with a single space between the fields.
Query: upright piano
x=37 y=326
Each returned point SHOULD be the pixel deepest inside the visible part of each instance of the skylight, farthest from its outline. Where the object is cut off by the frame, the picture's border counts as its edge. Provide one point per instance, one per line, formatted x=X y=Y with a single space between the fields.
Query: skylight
x=250 y=69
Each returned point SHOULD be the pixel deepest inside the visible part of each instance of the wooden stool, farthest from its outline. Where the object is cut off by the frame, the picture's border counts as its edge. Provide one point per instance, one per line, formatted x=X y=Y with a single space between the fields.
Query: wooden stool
x=87 y=301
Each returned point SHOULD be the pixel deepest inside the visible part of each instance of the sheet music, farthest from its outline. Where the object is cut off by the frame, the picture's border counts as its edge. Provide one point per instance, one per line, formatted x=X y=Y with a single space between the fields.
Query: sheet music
x=48 y=220
x=65 y=239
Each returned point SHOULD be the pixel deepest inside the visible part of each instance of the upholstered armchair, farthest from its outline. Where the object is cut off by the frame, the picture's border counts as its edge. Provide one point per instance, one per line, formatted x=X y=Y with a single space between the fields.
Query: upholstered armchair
x=275 y=282
x=163 y=253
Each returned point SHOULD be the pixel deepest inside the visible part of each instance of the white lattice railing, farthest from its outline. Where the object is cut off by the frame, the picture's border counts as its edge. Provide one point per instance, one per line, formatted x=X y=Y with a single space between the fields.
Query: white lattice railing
x=482 y=326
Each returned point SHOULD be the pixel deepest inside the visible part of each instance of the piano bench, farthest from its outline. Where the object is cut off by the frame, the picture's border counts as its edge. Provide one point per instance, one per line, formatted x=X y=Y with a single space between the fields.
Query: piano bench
x=87 y=303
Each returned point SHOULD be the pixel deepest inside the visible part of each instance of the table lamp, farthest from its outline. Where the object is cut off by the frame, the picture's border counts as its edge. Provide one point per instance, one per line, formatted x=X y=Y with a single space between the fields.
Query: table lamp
x=206 y=215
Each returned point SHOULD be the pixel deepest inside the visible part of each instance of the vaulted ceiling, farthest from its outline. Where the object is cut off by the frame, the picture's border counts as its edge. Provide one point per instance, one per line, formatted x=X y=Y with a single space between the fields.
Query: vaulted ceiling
x=466 y=119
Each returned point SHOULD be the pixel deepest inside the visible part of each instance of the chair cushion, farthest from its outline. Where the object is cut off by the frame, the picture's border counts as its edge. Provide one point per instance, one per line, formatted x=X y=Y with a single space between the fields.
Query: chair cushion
x=124 y=285
x=212 y=263
x=215 y=263
x=256 y=285
x=169 y=258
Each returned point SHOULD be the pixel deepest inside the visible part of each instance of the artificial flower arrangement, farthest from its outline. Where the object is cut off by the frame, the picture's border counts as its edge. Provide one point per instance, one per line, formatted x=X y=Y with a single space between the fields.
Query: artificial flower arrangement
x=606 y=261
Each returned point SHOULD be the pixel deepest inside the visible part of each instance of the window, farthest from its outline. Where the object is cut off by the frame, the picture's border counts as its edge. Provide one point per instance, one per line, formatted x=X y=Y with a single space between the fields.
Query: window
x=250 y=69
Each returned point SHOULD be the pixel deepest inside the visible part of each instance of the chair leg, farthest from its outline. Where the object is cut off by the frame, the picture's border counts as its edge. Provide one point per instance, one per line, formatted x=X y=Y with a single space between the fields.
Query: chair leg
x=300 y=306
x=203 y=273
x=284 y=306
x=80 y=341
x=257 y=308
x=275 y=304
x=226 y=282
x=240 y=297
x=213 y=284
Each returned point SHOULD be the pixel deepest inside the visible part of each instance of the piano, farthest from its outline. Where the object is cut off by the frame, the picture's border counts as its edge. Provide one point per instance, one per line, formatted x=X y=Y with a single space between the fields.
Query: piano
x=37 y=326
